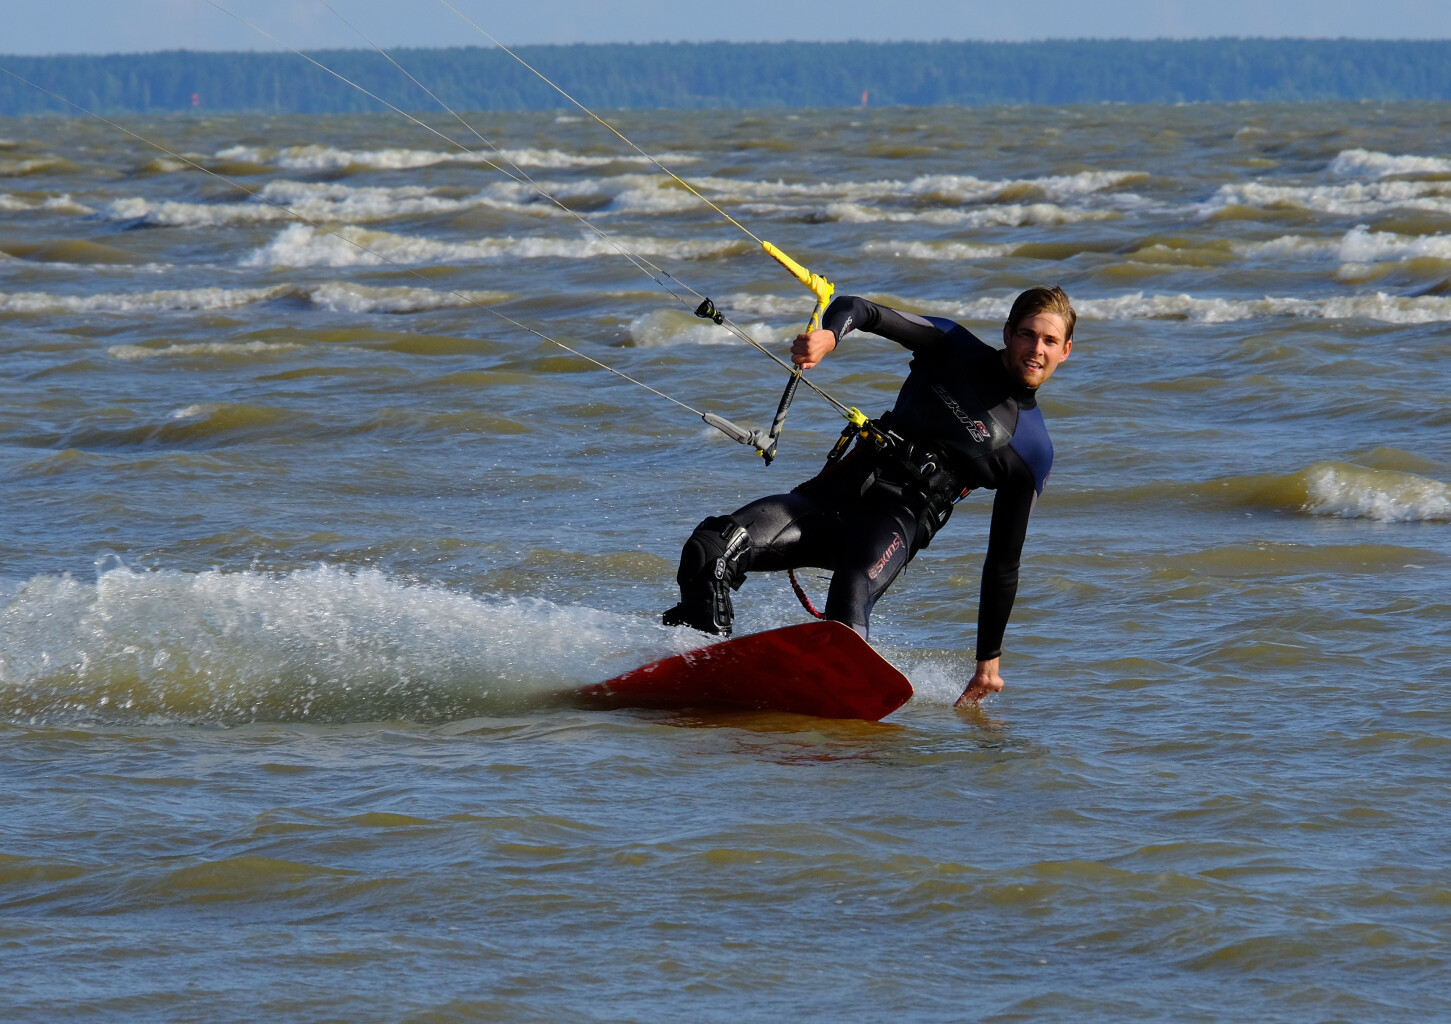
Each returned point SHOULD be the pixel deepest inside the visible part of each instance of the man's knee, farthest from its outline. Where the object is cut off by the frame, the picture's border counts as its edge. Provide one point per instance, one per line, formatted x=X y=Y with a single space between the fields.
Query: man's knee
x=713 y=562
x=719 y=549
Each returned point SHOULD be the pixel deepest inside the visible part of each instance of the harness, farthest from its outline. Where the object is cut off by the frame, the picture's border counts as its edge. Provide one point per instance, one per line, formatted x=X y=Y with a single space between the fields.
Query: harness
x=911 y=473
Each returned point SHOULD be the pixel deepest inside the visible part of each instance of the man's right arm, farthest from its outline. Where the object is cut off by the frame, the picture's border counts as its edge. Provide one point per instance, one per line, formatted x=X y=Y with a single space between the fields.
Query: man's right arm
x=853 y=313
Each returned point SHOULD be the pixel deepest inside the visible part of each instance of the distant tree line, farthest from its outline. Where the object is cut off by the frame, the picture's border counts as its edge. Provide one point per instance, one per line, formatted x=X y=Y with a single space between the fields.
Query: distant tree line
x=744 y=75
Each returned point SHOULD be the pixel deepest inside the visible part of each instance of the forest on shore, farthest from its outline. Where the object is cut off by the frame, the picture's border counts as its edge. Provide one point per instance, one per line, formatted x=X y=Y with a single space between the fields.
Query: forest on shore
x=742 y=76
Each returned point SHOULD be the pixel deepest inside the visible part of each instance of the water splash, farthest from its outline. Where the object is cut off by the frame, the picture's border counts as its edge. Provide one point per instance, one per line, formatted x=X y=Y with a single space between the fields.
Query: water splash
x=319 y=644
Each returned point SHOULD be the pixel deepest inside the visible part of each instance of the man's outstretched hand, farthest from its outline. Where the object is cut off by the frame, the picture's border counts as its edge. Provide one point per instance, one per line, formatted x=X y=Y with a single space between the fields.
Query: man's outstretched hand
x=984 y=681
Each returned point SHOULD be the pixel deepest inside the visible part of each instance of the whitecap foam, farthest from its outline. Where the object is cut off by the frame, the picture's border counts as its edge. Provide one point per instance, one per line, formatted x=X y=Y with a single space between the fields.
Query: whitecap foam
x=1361 y=245
x=669 y=327
x=170 y=213
x=301 y=245
x=1289 y=246
x=1355 y=493
x=1353 y=199
x=1368 y=163
x=319 y=644
x=162 y=300
x=320 y=159
x=129 y=353
x=347 y=297
x=65 y=204
x=10 y=202
x=327 y=202
x=756 y=304
x=1005 y=215
x=936 y=250
x=654 y=194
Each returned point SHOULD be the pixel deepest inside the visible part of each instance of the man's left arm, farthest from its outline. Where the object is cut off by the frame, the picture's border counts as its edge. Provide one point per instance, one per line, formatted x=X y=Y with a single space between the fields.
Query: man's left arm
x=1011 y=508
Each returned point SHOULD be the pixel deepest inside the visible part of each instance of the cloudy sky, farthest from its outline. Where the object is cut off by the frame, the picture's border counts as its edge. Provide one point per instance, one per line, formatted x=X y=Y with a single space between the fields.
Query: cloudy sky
x=111 y=26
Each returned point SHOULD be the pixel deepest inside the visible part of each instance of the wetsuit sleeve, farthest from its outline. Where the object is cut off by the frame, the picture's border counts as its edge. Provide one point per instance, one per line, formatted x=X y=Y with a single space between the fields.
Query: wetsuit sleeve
x=1011 y=508
x=853 y=313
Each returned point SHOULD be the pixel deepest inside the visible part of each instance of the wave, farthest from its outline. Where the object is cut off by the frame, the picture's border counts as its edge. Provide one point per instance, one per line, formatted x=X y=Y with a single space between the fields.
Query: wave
x=946 y=188
x=1361 y=245
x=321 y=159
x=1011 y=215
x=1355 y=199
x=639 y=193
x=334 y=296
x=27 y=166
x=1289 y=246
x=1339 y=490
x=1357 y=246
x=319 y=644
x=1367 y=163
x=11 y=203
x=329 y=201
x=936 y=250
x=347 y=297
x=301 y=245
x=846 y=200
x=1352 y=492
x=161 y=300
x=667 y=327
x=192 y=349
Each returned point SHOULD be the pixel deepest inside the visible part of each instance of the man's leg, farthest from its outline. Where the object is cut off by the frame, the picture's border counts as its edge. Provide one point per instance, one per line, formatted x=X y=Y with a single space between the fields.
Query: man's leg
x=875 y=547
x=765 y=535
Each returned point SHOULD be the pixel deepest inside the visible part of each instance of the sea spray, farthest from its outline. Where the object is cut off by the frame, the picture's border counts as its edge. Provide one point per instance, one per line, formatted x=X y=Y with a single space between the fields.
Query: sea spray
x=318 y=644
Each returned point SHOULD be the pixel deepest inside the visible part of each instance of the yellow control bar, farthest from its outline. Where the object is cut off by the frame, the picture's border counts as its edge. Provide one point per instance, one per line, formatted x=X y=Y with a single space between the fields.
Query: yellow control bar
x=815 y=283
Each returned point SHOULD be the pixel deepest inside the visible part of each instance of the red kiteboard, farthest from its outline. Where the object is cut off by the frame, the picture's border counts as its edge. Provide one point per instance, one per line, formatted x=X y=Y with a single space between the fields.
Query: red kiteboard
x=818 y=668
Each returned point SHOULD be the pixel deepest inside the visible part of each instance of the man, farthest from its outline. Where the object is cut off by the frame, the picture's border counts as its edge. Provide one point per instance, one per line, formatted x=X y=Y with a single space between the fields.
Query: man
x=966 y=418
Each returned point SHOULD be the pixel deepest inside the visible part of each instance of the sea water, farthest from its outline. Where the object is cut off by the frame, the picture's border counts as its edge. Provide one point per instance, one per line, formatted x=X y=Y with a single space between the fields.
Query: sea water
x=305 y=544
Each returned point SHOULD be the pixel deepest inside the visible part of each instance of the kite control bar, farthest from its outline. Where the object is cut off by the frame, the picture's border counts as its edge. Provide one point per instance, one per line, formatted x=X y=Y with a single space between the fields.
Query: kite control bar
x=820 y=287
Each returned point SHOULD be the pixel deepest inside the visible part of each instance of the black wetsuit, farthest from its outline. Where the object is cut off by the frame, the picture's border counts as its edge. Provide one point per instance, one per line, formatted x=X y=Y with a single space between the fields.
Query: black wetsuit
x=968 y=424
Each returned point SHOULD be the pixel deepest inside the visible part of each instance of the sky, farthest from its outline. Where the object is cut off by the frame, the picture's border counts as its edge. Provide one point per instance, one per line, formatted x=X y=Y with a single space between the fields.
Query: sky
x=131 y=26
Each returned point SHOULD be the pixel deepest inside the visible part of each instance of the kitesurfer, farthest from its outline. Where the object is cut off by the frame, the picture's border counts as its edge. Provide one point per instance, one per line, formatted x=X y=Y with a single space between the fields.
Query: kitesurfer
x=965 y=418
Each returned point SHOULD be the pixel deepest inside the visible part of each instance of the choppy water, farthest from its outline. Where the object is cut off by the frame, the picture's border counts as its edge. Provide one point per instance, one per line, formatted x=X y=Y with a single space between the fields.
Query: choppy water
x=298 y=552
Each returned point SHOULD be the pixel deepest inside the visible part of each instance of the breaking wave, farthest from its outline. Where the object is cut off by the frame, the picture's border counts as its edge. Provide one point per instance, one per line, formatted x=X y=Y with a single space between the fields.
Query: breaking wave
x=1339 y=490
x=335 y=296
x=1353 y=199
x=1008 y=215
x=1352 y=492
x=11 y=203
x=666 y=327
x=320 y=159
x=1367 y=163
x=160 y=300
x=936 y=250
x=302 y=245
x=329 y=201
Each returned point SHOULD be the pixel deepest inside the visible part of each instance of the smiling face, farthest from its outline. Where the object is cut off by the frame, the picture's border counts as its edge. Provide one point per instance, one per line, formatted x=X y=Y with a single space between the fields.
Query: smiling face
x=1034 y=346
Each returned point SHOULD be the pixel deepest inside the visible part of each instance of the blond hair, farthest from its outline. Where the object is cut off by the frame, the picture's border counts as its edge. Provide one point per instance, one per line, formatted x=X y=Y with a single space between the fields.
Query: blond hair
x=1043 y=300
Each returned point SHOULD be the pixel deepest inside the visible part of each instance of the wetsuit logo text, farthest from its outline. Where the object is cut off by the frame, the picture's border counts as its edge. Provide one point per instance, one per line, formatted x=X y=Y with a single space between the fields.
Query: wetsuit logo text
x=976 y=428
x=892 y=549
